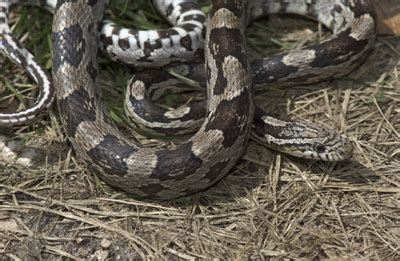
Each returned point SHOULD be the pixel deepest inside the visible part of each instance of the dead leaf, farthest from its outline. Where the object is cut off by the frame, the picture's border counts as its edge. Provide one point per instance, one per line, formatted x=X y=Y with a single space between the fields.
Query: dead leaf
x=388 y=14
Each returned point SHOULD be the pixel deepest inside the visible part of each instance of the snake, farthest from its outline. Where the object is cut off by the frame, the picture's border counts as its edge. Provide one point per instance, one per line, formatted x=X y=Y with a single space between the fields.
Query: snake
x=11 y=48
x=206 y=157
x=186 y=40
x=332 y=58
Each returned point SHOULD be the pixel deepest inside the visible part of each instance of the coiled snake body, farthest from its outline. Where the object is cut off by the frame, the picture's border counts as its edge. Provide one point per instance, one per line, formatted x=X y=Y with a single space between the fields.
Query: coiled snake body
x=353 y=28
x=161 y=173
x=209 y=155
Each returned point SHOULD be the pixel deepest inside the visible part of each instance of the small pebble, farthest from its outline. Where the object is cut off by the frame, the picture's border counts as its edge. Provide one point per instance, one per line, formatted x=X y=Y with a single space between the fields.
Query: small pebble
x=105 y=243
x=101 y=254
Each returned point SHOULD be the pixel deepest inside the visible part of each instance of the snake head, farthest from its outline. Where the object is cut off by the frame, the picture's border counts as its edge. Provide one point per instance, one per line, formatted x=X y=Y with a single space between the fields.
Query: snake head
x=333 y=147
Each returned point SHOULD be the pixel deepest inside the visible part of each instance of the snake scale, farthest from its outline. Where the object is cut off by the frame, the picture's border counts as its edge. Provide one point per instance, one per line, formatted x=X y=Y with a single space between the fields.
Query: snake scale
x=208 y=156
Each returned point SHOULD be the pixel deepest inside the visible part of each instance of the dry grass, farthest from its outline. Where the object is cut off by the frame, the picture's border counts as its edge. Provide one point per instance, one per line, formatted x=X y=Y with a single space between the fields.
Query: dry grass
x=270 y=207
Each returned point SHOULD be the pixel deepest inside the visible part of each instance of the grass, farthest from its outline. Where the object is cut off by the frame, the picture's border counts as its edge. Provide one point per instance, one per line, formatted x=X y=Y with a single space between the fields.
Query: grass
x=271 y=206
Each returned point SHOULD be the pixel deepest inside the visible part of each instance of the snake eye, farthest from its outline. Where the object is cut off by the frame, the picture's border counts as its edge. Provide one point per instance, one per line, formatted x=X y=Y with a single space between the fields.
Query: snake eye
x=320 y=148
